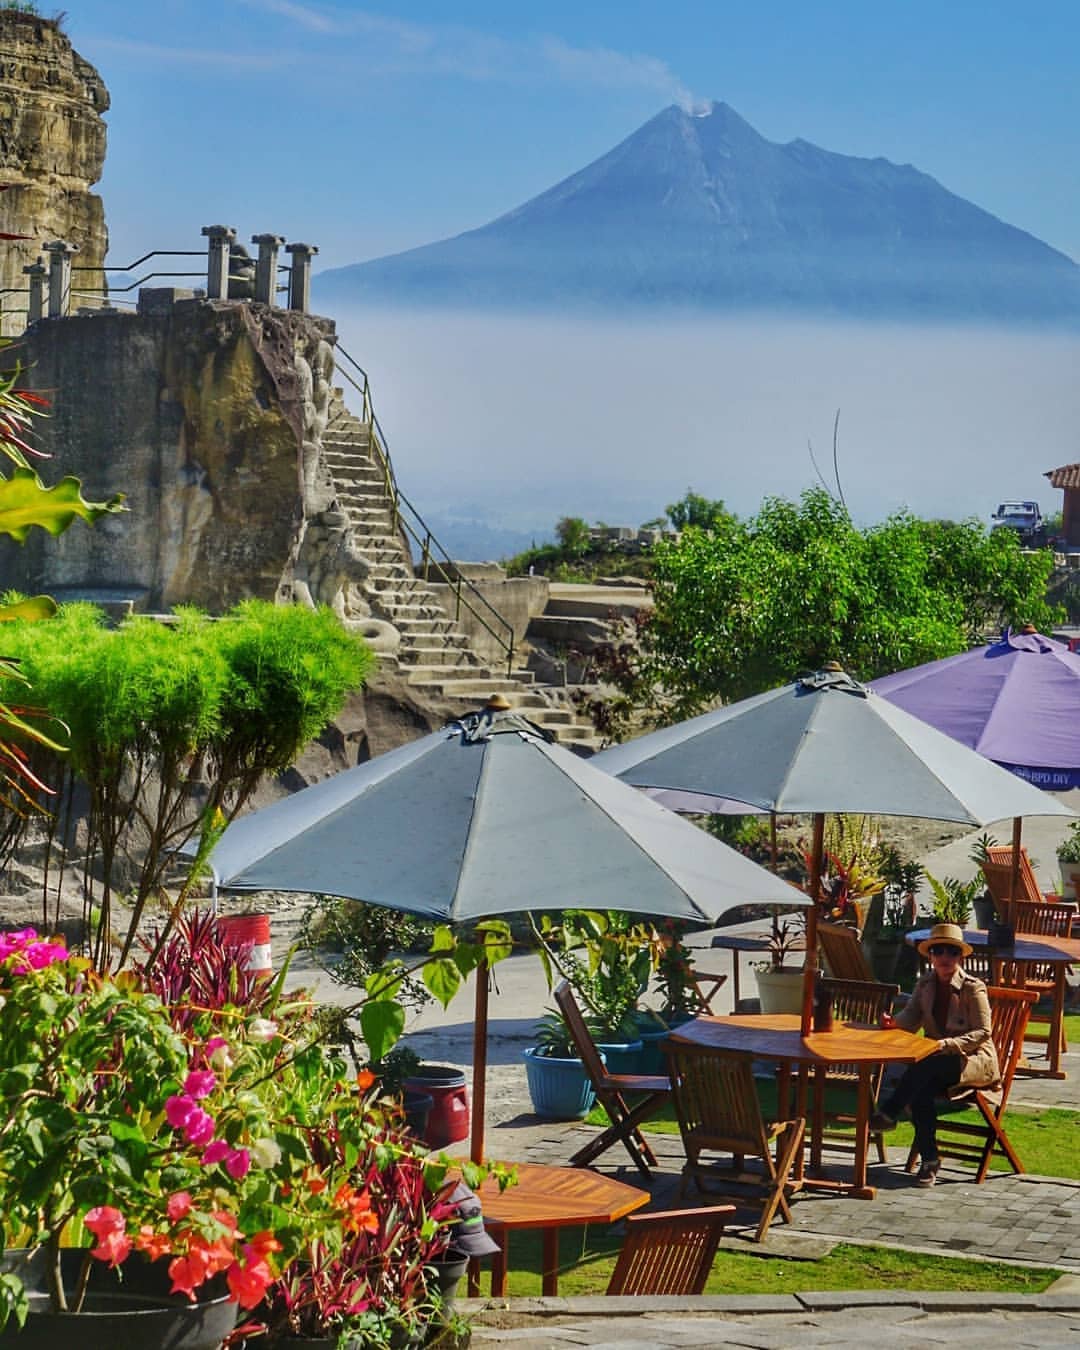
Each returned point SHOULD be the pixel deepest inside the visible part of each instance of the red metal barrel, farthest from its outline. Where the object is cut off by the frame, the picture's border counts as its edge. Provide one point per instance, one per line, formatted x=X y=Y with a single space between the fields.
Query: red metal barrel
x=448 y=1121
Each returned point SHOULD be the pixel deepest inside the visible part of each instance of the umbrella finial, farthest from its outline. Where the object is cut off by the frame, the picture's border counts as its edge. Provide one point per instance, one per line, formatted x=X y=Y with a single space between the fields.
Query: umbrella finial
x=834 y=666
x=498 y=703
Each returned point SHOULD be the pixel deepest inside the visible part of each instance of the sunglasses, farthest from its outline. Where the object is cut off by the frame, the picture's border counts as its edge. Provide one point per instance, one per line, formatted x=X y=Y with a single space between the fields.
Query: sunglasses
x=939 y=949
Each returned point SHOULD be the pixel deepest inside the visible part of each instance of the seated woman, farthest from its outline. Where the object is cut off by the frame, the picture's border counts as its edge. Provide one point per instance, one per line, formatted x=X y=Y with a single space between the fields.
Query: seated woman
x=952 y=1007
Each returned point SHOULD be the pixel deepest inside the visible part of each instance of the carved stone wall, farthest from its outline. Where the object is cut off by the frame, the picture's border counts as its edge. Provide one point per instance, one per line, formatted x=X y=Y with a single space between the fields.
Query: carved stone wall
x=209 y=415
x=52 y=149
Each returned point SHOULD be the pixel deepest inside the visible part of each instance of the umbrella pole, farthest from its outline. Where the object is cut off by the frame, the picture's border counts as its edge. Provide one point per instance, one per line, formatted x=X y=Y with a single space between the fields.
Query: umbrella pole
x=479 y=1080
x=810 y=964
x=1014 y=876
x=772 y=840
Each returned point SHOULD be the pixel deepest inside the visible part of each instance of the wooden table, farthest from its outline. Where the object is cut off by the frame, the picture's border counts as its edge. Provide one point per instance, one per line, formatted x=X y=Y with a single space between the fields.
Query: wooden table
x=551 y=1198
x=776 y=1037
x=1059 y=952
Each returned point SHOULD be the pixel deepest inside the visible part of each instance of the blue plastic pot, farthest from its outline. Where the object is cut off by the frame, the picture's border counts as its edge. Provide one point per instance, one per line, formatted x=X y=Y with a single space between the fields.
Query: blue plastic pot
x=622 y=1056
x=651 y=1060
x=559 y=1088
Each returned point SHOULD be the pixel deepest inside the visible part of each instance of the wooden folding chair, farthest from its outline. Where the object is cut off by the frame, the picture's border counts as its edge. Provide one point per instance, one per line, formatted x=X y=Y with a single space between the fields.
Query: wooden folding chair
x=843 y=953
x=611 y=1091
x=997 y=869
x=852 y=1001
x=706 y=987
x=977 y=1143
x=670 y=1252
x=717 y=1107
x=1037 y=919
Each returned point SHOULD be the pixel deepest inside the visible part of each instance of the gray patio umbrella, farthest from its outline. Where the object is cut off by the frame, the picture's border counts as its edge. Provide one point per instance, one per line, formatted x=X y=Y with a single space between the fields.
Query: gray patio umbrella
x=484 y=818
x=824 y=743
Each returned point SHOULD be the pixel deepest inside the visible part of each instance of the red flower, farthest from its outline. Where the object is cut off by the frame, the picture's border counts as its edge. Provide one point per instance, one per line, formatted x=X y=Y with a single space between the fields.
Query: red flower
x=247 y=1283
x=178 y=1205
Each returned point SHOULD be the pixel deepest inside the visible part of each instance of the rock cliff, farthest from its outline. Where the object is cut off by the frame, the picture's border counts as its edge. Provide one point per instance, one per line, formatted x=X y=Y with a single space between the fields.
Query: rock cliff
x=52 y=150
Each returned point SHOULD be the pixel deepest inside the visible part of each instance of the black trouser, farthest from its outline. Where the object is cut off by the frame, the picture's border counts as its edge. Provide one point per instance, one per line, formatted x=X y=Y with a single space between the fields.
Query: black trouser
x=920 y=1085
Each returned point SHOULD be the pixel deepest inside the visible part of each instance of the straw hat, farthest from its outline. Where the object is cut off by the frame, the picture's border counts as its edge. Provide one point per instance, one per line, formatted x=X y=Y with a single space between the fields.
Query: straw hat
x=945 y=933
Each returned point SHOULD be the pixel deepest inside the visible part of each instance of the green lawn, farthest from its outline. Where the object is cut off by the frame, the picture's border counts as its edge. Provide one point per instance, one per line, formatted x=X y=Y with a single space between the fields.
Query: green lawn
x=1047 y=1142
x=586 y=1262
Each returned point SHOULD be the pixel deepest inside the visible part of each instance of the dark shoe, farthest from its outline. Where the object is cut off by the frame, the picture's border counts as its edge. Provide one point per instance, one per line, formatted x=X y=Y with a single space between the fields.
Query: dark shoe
x=880 y=1122
x=928 y=1173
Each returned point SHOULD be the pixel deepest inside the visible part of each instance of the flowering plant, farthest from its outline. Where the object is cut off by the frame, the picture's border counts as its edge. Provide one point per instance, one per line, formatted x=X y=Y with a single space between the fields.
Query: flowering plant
x=220 y=1139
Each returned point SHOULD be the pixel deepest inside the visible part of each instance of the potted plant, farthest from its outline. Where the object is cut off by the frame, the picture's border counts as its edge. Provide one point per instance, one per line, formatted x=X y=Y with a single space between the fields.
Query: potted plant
x=558 y=1084
x=891 y=918
x=607 y=958
x=780 y=985
x=152 y=1120
x=1069 y=862
x=983 y=904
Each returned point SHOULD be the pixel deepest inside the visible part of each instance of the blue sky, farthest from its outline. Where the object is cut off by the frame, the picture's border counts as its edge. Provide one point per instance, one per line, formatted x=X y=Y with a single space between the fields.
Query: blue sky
x=371 y=130
x=368 y=130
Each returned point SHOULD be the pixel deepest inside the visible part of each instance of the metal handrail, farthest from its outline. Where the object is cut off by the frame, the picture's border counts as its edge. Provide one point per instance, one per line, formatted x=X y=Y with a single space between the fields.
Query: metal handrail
x=503 y=633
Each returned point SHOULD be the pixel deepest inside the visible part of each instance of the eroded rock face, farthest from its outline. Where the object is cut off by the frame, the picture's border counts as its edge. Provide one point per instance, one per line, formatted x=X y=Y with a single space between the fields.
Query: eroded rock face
x=209 y=416
x=52 y=149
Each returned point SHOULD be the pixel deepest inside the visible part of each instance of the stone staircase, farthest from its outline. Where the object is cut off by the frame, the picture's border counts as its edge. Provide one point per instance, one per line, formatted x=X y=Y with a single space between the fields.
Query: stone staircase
x=434 y=654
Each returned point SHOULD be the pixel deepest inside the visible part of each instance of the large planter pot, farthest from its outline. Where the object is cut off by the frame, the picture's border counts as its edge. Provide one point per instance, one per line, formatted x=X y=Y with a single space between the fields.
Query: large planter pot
x=983 y=909
x=447 y=1277
x=559 y=1088
x=135 y=1310
x=651 y=1060
x=417 y=1108
x=780 y=991
x=622 y=1056
x=1070 y=879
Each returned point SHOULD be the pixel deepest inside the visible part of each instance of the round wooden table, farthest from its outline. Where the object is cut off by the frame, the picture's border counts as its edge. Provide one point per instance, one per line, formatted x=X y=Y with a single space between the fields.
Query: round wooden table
x=551 y=1198
x=777 y=1037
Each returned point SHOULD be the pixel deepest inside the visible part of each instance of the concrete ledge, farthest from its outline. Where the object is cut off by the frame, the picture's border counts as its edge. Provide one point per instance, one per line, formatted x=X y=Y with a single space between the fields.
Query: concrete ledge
x=743 y=1305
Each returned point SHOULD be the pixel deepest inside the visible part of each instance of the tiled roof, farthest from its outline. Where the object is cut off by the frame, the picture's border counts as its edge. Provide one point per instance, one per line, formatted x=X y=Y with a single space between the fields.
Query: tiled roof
x=1068 y=476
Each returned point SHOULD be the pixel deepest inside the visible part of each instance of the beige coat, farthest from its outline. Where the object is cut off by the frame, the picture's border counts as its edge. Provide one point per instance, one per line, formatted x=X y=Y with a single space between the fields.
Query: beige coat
x=967 y=1028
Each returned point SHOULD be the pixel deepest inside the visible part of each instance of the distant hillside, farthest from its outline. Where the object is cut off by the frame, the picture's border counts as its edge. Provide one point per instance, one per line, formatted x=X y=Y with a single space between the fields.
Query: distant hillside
x=701 y=212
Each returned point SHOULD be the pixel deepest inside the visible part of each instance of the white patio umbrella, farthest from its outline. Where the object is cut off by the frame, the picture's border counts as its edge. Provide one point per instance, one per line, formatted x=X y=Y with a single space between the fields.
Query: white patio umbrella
x=488 y=817
x=824 y=743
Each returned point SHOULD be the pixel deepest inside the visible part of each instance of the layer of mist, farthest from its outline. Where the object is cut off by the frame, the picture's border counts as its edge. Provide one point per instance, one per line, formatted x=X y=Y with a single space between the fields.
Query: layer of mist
x=511 y=423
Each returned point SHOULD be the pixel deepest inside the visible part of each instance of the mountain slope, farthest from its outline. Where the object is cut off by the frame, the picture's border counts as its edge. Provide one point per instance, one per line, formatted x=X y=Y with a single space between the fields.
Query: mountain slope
x=701 y=211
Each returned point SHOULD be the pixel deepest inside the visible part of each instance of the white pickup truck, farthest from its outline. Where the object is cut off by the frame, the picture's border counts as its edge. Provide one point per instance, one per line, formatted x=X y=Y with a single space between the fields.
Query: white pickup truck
x=1023 y=517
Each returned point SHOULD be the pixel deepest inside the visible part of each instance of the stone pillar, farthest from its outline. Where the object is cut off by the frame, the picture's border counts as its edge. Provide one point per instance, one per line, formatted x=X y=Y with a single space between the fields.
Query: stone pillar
x=221 y=238
x=60 y=254
x=266 y=267
x=35 y=275
x=300 y=276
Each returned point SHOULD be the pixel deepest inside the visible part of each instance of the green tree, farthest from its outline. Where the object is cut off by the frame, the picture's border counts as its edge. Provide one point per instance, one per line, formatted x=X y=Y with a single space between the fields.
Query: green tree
x=573 y=536
x=694 y=509
x=171 y=726
x=746 y=605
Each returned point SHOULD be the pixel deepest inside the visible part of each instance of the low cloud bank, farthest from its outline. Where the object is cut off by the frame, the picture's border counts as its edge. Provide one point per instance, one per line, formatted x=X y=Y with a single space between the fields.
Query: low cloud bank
x=515 y=422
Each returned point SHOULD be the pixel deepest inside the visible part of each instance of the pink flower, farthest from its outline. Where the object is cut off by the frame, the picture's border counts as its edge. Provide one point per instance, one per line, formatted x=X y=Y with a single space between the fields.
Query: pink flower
x=199 y=1127
x=238 y=1163
x=107 y=1225
x=178 y=1111
x=199 y=1083
x=104 y=1219
x=178 y=1205
x=216 y=1152
x=113 y=1248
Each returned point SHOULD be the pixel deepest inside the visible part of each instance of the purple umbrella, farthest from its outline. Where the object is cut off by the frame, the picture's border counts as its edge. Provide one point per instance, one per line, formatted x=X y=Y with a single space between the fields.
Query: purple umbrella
x=1016 y=701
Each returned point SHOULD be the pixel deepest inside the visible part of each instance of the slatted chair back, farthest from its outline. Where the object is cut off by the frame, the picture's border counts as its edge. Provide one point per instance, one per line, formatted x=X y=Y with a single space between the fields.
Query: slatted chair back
x=580 y=1034
x=982 y=963
x=977 y=1143
x=717 y=1107
x=1001 y=855
x=843 y=953
x=670 y=1252
x=716 y=1101
x=1043 y=918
